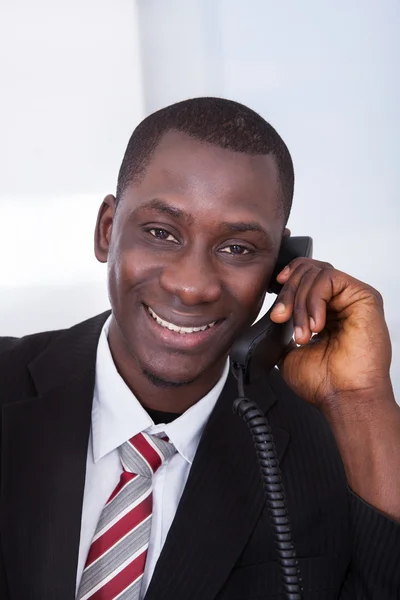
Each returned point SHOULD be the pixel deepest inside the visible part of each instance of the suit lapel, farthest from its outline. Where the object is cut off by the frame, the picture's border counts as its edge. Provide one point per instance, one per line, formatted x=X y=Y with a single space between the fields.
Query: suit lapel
x=220 y=505
x=44 y=452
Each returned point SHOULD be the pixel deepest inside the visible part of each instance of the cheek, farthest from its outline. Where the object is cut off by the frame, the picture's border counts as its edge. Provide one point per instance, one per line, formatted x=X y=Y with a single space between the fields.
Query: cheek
x=129 y=268
x=250 y=292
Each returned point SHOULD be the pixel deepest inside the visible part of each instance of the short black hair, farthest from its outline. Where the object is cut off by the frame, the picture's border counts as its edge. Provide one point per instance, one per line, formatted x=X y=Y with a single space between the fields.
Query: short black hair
x=218 y=121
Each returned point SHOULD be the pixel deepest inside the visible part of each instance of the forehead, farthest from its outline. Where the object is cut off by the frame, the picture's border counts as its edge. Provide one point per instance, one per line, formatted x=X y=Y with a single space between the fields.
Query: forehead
x=205 y=177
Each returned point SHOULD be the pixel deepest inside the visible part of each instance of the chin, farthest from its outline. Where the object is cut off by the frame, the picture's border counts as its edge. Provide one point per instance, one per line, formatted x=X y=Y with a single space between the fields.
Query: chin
x=161 y=380
x=170 y=377
x=175 y=371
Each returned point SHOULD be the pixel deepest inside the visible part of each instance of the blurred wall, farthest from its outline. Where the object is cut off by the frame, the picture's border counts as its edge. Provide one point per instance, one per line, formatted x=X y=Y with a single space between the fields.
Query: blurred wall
x=79 y=77
x=70 y=95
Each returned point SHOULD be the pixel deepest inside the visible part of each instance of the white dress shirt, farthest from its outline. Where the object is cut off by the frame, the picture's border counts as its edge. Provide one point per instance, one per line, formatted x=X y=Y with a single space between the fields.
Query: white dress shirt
x=117 y=415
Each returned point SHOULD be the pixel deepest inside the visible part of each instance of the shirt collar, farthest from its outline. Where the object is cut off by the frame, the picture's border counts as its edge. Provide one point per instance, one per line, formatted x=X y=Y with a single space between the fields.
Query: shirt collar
x=117 y=415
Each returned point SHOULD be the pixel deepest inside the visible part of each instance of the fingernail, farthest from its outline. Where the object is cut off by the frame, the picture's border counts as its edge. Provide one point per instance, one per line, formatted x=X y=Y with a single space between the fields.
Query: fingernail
x=298 y=333
x=285 y=271
x=312 y=324
x=279 y=308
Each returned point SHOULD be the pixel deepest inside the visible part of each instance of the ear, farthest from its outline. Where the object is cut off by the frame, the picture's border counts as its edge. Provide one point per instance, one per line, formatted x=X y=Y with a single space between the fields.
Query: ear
x=102 y=235
x=286 y=233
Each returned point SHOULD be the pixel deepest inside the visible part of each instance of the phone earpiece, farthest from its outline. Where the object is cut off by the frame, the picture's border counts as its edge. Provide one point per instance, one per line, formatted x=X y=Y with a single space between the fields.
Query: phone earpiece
x=291 y=248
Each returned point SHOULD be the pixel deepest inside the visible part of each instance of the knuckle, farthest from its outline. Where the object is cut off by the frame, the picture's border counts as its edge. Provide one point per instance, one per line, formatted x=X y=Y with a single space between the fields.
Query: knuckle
x=327 y=265
x=311 y=273
x=288 y=290
x=378 y=296
x=297 y=262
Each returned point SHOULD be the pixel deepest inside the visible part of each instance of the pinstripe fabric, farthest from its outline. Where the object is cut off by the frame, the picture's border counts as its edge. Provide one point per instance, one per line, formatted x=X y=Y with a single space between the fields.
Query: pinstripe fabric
x=220 y=545
x=117 y=557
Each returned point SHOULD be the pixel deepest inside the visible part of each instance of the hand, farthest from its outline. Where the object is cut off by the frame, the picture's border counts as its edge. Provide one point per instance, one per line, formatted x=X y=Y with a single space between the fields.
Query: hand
x=351 y=353
x=344 y=370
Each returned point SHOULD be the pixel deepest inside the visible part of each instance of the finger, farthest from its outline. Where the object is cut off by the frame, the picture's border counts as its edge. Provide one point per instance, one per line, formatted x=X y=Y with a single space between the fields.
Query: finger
x=284 y=305
x=317 y=303
x=294 y=265
x=318 y=298
x=303 y=321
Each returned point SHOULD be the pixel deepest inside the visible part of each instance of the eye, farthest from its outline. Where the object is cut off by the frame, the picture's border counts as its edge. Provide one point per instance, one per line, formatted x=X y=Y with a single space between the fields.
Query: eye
x=236 y=249
x=162 y=234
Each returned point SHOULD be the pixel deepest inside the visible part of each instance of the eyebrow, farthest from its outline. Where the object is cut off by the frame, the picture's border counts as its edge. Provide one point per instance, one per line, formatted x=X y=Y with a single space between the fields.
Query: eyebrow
x=166 y=209
x=242 y=227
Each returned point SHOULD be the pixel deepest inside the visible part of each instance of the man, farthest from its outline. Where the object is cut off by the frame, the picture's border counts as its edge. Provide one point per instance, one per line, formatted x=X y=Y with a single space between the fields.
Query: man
x=124 y=471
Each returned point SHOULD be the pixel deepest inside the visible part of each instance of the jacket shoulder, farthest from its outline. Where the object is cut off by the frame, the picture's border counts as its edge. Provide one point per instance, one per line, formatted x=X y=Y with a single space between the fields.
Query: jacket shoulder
x=26 y=347
x=15 y=356
x=308 y=427
x=291 y=404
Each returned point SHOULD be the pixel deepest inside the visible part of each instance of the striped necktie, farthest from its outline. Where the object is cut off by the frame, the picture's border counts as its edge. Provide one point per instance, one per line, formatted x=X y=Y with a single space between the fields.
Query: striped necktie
x=115 y=564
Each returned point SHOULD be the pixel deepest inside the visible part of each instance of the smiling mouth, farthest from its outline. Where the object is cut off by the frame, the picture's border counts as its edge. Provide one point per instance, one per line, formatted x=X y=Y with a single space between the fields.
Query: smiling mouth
x=176 y=328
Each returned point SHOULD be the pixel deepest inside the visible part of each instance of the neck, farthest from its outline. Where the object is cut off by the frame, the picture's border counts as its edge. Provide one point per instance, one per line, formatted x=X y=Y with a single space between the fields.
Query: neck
x=174 y=399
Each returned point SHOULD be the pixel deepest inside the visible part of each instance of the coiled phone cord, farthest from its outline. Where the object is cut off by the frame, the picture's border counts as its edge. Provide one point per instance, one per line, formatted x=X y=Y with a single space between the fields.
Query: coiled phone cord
x=272 y=484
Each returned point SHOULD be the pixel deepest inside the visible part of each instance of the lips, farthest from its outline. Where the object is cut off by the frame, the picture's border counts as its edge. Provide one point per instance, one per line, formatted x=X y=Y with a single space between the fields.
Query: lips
x=183 y=334
x=181 y=323
x=178 y=328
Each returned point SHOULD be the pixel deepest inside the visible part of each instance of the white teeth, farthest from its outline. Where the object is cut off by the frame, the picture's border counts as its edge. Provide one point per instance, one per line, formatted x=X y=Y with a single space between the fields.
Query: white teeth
x=173 y=327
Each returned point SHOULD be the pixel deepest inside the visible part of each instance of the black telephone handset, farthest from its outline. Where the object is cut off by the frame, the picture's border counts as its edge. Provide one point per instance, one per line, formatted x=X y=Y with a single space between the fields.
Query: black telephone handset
x=258 y=349
x=254 y=353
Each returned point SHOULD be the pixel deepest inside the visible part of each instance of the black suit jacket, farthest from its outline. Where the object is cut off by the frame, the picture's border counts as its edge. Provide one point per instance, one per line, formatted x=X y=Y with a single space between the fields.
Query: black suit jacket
x=220 y=545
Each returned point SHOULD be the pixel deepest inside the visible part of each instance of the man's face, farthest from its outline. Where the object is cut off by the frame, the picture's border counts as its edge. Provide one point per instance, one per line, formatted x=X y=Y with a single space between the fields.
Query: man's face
x=190 y=251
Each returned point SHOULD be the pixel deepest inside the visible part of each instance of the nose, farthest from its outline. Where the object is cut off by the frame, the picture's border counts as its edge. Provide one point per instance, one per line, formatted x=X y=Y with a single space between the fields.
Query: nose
x=192 y=278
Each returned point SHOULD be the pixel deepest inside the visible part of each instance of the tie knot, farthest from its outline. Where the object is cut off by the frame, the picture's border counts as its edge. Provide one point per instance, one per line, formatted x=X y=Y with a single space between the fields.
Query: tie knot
x=143 y=454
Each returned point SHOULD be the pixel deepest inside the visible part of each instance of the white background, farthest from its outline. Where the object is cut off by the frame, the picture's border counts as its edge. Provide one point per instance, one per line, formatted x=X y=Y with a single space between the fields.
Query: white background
x=77 y=77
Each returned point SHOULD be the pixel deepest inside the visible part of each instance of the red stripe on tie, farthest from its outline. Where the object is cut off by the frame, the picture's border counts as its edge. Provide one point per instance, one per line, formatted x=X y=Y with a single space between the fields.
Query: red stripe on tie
x=147 y=451
x=121 y=581
x=125 y=478
x=121 y=528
